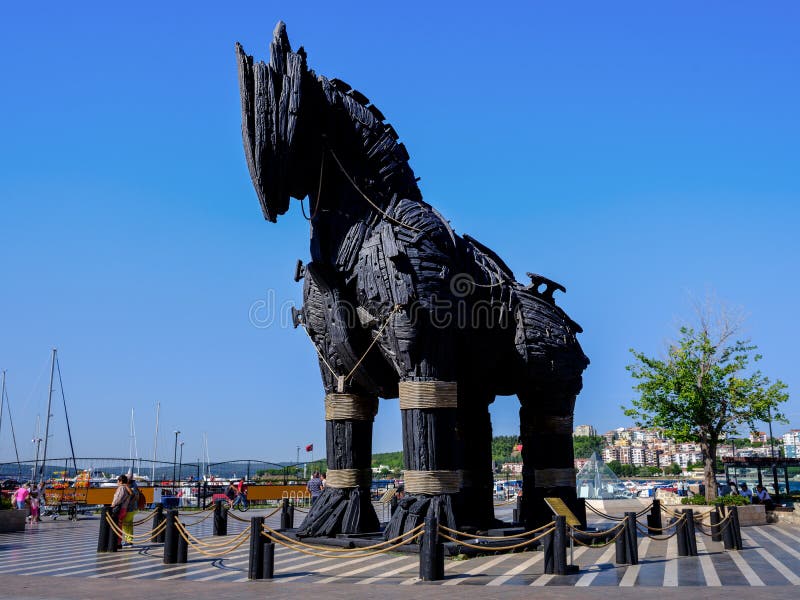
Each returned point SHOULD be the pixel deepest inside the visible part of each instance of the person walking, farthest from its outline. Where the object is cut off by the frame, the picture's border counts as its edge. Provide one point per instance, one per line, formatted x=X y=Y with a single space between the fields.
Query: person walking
x=241 y=495
x=314 y=487
x=21 y=499
x=119 y=504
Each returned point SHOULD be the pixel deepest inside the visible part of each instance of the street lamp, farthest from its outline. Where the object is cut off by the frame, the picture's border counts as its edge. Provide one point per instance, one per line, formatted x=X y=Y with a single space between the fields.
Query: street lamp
x=180 y=463
x=772 y=451
x=175 y=457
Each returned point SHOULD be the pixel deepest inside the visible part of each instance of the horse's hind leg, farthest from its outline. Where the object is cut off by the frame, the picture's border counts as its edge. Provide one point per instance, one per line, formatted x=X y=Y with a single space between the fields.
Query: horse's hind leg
x=545 y=416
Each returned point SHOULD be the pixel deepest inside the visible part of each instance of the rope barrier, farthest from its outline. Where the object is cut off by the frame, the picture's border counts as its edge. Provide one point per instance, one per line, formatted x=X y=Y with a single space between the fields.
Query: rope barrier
x=594 y=534
x=496 y=537
x=512 y=501
x=673 y=524
x=329 y=549
x=146 y=518
x=296 y=548
x=594 y=545
x=200 y=520
x=184 y=534
x=235 y=518
x=550 y=530
x=220 y=544
x=602 y=514
x=135 y=538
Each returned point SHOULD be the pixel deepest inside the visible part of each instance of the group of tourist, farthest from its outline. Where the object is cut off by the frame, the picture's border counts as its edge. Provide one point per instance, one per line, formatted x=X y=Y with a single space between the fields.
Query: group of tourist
x=315 y=486
x=29 y=499
x=128 y=498
x=760 y=496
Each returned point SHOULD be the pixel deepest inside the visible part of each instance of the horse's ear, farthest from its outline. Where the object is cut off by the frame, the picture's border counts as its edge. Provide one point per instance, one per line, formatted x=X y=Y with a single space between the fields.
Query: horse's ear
x=279 y=48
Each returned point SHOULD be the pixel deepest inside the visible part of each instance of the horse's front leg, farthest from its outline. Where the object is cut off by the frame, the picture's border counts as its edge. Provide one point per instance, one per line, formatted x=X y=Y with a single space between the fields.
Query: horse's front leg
x=350 y=407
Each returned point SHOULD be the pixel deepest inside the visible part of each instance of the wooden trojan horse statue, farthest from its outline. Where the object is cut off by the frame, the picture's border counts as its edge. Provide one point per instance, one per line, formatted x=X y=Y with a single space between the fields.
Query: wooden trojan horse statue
x=398 y=305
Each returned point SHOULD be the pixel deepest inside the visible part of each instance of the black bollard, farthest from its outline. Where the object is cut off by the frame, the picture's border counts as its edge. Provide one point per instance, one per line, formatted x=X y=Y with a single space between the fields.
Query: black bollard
x=392 y=505
x=113 y=540
x=727 y=533
x=171 y=538
x=683 y=539
x=654 y=518
x=632 y=539
x=716 y=535
x=560 y=546
x=736 y=528
x=102 y=536
x=158 y=518
x=220 y=518
x=285 y=522
x=291 y=517
x=691 y=533
x=269 y=560
x=431 y=552
x=182 y=554
x=255 y=567
x=621 y=544
x=548 y=547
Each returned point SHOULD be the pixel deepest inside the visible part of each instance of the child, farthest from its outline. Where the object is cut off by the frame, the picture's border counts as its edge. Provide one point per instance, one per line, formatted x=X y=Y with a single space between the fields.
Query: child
x=34 y=498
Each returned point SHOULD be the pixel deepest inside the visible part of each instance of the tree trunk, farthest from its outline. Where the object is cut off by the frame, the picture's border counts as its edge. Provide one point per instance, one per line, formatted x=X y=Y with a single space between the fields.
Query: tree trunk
x=709 y=463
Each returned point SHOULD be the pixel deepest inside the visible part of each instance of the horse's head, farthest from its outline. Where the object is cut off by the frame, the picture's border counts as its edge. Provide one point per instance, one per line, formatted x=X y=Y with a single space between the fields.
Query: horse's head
x=273 y=102
x=293 y=122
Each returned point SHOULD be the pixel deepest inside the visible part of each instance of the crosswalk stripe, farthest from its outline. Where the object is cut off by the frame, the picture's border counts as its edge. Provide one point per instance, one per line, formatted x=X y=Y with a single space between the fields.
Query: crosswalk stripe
x=477 y=570
x=393 y=572
x=448 y=566
x=746 y=570
x=706 y=564
x=671 y=563
x=588 y=578
x=362 y=570
x=774 y=562
x=632 y=572
x=520 y=568
x=779 y=543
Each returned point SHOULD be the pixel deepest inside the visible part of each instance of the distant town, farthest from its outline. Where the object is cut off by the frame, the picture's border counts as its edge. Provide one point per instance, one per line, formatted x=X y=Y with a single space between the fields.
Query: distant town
x=648 y=451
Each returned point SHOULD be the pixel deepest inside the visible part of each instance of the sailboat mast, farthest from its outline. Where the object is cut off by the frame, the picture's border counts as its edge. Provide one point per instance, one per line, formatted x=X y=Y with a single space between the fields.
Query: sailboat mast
x=2 y=399
x=155 y=443
x=47 y=418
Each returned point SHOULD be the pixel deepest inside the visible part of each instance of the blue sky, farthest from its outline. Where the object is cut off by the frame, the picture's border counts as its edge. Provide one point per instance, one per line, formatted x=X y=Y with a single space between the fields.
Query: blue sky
x=638 y=153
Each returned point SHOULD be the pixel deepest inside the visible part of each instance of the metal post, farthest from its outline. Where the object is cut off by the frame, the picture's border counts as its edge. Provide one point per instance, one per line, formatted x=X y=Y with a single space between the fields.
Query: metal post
x=255 y=568
x=158 y=518
x=102 y=536
x=431 y=552
x=171 y=538
x=175 y=461
x=220 y=518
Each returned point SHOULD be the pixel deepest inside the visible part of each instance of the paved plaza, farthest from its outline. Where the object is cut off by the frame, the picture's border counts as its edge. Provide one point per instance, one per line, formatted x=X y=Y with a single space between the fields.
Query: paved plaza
x=62 y=551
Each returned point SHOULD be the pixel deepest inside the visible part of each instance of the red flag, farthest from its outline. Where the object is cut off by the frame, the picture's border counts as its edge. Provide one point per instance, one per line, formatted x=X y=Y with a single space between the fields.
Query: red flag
x=310 y=448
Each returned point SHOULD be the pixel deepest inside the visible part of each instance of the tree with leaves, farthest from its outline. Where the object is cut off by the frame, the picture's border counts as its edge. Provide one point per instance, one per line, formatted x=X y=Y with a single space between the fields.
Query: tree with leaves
x=704 y=389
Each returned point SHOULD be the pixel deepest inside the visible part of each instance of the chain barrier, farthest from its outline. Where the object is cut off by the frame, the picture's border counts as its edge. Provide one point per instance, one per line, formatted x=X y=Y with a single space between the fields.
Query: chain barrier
x=297 y=546
x=496 y=537
x=551 y=528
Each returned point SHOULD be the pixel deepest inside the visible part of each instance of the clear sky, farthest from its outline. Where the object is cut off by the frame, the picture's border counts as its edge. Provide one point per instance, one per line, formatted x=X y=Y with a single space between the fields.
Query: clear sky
x=636 y=152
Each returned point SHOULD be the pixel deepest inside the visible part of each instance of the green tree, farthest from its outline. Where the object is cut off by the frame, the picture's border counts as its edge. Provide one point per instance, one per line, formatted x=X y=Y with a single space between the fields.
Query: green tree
x=704 y=389
x=584 y=445
x=615 y=466
x=674 y=469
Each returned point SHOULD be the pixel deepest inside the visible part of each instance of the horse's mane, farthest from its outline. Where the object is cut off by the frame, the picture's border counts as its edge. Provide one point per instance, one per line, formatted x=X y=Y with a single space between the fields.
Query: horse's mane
x=386 y=156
